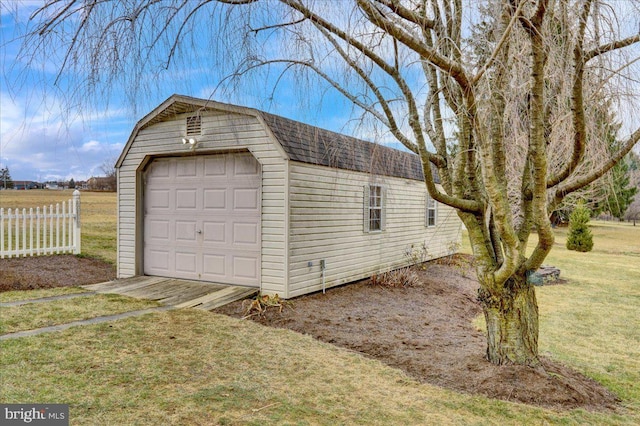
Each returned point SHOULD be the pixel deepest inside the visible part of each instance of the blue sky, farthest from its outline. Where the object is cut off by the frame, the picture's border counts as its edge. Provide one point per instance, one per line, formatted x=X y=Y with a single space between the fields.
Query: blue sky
x=39 y=138
x=42 y=138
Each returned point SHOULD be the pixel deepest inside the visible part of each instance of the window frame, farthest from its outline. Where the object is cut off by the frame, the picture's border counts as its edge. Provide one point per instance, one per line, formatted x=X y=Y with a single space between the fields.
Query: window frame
x=431 y=206
x=375 y=196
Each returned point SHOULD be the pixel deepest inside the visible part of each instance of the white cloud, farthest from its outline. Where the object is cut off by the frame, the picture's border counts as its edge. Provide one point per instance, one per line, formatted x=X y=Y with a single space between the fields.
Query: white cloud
x=90 y=146
x=36 y=143
x=19 y=9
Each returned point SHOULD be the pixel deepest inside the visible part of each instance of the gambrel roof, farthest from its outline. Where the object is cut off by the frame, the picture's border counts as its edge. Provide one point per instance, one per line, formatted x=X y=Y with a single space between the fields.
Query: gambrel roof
x=301 y=142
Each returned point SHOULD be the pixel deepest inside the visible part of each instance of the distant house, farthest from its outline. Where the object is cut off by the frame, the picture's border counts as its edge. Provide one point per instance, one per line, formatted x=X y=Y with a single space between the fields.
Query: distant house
x=25 y=184
x=221 y=193
x=52 y=185
x=101 y=184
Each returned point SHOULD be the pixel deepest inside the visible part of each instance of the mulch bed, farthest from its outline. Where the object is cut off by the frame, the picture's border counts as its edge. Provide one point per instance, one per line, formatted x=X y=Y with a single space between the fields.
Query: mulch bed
x=425 y=329
x=30 y=273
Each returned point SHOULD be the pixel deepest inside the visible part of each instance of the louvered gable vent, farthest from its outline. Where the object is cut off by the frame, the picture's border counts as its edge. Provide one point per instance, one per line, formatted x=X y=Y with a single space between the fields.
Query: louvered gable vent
x=194 y=125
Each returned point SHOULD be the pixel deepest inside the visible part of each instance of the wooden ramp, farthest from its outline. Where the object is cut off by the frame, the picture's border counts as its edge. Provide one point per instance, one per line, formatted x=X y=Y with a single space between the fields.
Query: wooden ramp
x=175 y=292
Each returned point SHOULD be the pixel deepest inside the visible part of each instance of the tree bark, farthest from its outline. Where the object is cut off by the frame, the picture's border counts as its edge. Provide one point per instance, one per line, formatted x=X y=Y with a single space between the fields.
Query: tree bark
x=512 y=323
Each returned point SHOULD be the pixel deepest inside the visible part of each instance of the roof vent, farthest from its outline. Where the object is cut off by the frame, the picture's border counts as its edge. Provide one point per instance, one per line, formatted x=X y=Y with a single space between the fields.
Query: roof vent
x=194 y=125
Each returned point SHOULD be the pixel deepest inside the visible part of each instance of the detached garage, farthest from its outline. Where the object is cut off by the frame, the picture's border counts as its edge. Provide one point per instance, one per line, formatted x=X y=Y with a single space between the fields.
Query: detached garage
x=226 y=194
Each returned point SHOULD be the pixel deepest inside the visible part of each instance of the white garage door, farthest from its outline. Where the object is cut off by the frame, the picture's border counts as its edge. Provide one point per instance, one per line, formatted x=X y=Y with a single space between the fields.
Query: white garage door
x=202 y=218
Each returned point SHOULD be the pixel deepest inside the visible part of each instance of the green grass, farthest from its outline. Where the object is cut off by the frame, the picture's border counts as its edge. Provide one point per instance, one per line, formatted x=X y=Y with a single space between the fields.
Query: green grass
x=191 y=367
x=97 y=215
x=14 y=296
x=37 y=315
x=591 y=322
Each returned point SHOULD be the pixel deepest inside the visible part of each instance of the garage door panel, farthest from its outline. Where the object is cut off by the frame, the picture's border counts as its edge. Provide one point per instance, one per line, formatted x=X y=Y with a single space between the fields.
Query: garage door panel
x=185 y=262
x=202 y=218
x=245 y=165
x=215 y=199
x=186 y=167
x=157 y=260
x=158 y=169
x=158 y=230
x=245 y=233
x=186 y=231
x=215 y=166
x=186 y=199
x=214 y=232
x=158 y=199
x=245 y=199
x=214 y=265
x=245 y=268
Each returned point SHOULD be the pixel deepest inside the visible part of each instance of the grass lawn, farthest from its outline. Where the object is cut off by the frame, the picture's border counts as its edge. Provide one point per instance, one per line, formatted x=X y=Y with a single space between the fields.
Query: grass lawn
x=37 y=315
x=188 y=367
x=191 y=367
x=15 y=296
x=592 y=322
x=97 y=215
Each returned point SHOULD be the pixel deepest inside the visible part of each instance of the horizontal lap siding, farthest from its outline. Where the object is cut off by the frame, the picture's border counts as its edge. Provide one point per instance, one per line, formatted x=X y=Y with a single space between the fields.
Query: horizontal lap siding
x=326 y=209
x=220 y=131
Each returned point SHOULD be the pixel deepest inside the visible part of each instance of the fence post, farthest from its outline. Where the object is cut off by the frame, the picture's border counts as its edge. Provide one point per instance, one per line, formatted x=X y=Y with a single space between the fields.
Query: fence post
x=1 y=233
x=76 y=222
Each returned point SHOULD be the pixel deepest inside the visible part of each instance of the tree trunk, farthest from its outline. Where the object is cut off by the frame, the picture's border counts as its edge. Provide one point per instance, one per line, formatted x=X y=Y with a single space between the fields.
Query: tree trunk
x=512 y=323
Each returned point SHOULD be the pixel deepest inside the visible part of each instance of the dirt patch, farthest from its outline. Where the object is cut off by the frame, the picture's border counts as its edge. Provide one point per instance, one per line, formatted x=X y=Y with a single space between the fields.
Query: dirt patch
x=30 y=273
x=426 y=330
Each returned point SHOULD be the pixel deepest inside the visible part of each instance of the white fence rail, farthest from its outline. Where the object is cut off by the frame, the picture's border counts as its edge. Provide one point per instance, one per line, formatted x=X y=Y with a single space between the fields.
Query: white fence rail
x=50 y=230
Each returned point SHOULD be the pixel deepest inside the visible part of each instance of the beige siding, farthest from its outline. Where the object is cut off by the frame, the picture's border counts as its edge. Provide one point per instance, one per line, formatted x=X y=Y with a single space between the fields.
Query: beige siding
x=220 y=131
x=326 y=223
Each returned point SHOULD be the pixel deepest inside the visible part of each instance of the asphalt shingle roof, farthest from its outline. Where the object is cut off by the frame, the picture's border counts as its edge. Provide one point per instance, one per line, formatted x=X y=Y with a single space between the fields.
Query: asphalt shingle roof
x=313 y=145
x=303 y=142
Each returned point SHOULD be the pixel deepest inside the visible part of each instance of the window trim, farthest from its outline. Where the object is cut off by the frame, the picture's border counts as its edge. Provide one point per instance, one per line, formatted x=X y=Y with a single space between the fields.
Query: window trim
x=369 y=208
x=431 y=205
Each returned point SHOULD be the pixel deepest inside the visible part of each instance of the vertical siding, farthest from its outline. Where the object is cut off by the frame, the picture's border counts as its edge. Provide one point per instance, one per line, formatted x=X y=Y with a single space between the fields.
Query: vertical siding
x=326 y=223
x=220 y=132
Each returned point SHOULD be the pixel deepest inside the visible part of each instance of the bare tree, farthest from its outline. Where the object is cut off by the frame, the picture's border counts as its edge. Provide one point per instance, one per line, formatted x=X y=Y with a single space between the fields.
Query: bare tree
x=109 y=169
x=633 y=212
x=497 y=95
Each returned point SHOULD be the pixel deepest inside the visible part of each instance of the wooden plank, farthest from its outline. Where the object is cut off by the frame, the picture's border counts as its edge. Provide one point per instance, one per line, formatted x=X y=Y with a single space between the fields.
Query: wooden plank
x=208 y=297
x=176 y=288
x=129 y=289
x=190 y=294
x=109 y=286
x=237 y=294
x=175 y=292
x=153 y=291
x=199 y=300
x=115 y=286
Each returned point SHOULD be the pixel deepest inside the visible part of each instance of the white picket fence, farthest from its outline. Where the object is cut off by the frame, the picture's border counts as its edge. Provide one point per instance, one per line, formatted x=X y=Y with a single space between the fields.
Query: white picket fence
x=51 y=230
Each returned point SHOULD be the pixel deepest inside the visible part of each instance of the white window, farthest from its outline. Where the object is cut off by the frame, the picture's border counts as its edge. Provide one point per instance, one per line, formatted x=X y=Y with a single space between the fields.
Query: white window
x=374 y=208
x=431 y=212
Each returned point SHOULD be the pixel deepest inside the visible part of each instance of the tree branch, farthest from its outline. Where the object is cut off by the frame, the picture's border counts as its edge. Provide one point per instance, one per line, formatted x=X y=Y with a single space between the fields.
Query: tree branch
x=577 y=109
x=448 y=66
x=419 y=19
x=501 y=43
x=563 y=190
x=390 y=122
x=618 y=44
